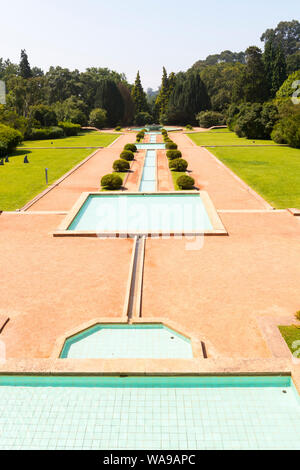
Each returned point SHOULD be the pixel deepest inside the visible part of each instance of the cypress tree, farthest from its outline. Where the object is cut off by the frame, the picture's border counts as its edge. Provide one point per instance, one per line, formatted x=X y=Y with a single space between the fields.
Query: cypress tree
x=25 y=70
x=139 y=96
x=279 y=74
x=108 y=97
x=188 y=98
x=163 y=96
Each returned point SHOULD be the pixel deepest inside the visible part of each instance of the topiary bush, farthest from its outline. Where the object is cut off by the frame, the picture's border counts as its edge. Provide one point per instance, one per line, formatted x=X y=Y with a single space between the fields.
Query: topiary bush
x=140 y=135
x=189 y=127
x=171 y=146
x=118 y=128
x=9 y=137
x=173 y=154
x=185 y=182
x=178 y=165
x=111 y=181
x=121 y=165
x=130 y=147
x=127 y=155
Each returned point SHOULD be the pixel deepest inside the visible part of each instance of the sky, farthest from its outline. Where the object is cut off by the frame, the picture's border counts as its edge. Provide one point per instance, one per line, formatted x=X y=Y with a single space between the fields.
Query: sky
x=131 y=35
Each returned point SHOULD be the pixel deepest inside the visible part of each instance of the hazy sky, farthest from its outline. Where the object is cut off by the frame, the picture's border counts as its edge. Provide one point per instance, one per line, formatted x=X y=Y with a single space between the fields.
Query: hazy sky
x=127 y=35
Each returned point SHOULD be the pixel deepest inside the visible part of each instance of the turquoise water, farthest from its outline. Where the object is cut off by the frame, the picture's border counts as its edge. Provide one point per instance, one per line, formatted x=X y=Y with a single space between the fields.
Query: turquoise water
x=148 y=413
x=149 y=146
x=142 y=213
x=128 y=341
x=148 y=181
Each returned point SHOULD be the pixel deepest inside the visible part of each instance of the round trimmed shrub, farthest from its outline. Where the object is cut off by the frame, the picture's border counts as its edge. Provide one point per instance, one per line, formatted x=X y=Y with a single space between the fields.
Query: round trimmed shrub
x=185 y=182
x=189 y=127
x=171 y=146
x=130 y=147
x=127 y=155
x=140 y=135
x=9 y=137
x=178 y=165
x=118 y=128
x=173 y=154
x=111 y=181
x=121 y=165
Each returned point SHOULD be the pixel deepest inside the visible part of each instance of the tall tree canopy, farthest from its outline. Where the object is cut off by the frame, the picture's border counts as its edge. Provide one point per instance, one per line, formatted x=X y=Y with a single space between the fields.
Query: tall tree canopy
x=25 y=70
x=139 y=96
x=188 y=98
x=108 y=97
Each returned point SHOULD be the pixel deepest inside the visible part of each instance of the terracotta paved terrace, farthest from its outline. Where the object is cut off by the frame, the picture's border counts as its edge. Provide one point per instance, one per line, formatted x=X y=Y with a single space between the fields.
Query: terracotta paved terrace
x=230 y=292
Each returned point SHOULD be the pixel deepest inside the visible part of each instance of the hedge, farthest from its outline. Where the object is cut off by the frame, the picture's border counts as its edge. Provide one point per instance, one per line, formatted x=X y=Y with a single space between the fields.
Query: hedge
x=127 y=155
x=46 y=133
x=69 y=128
x=130 y=147
x=121 y=165
x=171 y=146
x=9 y=138
x=185 y=182
x=173 y=154
x=178 y=165
x=111 y=181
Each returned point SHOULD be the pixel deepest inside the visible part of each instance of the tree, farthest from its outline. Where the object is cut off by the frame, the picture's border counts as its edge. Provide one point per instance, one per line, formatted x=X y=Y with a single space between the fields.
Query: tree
x=256 y=121
x=275 y=64
x=98 y=118
x=44 y=115
x=286 y=34
x=108 y=97
x=188 y=98
x=25 y=70
x=164 y=93
x=139 y=96
x=253 y=81
x=289 y=87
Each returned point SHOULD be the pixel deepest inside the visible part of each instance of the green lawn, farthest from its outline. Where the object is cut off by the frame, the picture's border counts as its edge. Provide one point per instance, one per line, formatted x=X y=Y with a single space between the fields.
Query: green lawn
x=20 y=182
x=274 y=172
x=84 y=139
x=224 y=137
x=291 y=334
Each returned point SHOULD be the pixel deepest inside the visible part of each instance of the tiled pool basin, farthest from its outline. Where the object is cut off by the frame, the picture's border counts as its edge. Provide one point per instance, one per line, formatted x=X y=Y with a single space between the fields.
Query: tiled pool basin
x=128 y=341
x=143 y=213
x=148 y=413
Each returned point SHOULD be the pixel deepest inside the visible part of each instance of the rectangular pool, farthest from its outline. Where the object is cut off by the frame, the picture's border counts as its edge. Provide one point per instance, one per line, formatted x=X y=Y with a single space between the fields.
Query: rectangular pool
x=148 y=181
x=142 y=213
x=148 y=413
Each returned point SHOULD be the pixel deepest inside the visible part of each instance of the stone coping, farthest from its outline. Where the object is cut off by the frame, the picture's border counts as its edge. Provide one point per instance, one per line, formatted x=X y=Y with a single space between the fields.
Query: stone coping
x=62 y=231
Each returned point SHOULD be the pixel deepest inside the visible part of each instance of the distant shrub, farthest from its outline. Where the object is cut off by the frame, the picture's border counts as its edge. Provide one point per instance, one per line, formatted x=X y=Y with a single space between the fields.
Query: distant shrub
x=69 y=128
x=164 y=132
x=98 y=118
x=297 y=315
x=189 y=127
x=111 y=181
x=173 y=154
x=171 y=146
x=287 y=131
x=127 y=155
x=130 y=147
x=44 y=115
x=121 y=165
x=118 y=128
x=208 y=119
x=9 y=138
x=46 y=133
x=185 y=182
x=178 y=165
x=140 y=135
